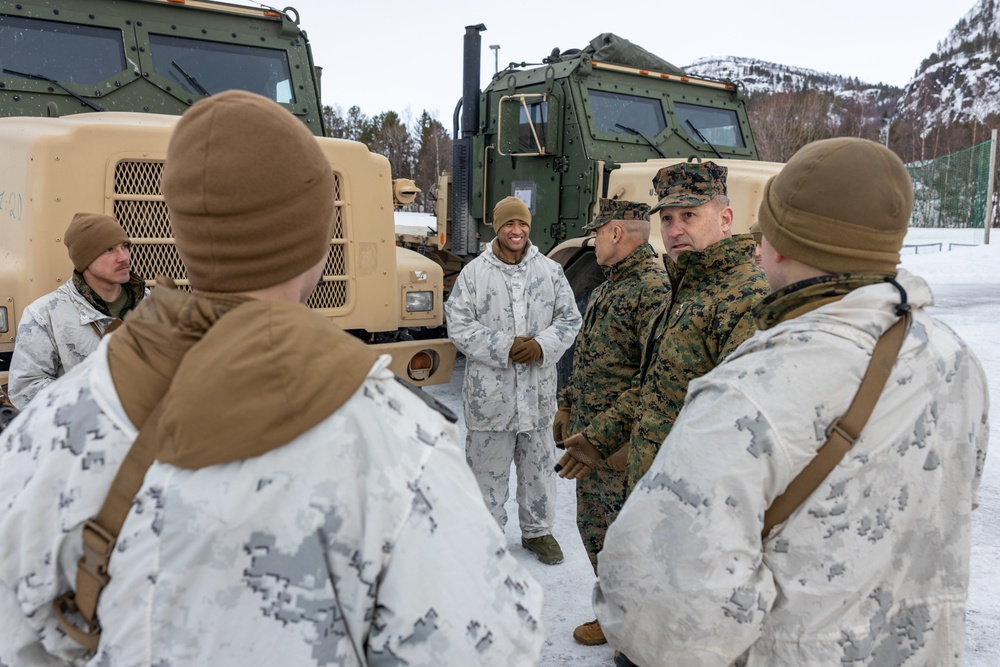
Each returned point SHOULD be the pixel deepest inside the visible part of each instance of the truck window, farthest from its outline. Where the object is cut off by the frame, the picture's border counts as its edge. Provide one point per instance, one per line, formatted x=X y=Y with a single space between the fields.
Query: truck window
x=65 y=52
x=203 y=68
x=720 y=127
x=612 y=110
x=533 y=123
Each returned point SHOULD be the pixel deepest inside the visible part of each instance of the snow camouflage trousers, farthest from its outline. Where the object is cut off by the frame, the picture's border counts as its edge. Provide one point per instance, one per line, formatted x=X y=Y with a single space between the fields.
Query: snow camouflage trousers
x=490 y=453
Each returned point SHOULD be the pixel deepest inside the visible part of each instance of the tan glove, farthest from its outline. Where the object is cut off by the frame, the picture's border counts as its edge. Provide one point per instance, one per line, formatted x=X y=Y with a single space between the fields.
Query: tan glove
x=618 y=460
x=560 y=424
x=581 y=458
x=525 y=350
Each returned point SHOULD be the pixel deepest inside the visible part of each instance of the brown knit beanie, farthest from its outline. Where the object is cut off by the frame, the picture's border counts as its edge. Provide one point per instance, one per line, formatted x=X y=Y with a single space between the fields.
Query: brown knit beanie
x=249 y=191
x=89 y=235
x=839 y=205
x=510 y=208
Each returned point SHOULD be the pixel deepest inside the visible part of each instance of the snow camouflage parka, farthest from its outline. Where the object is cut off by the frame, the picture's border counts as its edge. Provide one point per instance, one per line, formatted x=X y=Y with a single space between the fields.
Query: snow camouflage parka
x=56 y=332
x=490 y=304
x=234 y=564
x=873 y=568
x=708 y=315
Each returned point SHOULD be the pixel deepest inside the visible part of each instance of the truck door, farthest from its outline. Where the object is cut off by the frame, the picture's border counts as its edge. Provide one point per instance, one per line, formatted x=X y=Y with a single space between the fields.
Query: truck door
x=527 y=163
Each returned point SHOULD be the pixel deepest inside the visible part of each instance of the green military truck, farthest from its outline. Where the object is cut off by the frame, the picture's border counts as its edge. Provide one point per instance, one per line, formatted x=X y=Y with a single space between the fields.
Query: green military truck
x=582 y=125
x=578 y=126
x=89 y=93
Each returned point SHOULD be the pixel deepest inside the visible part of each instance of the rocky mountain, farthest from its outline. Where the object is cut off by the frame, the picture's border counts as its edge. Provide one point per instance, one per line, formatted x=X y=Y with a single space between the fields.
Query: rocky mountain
x=873 y=102
x=760 y=76
x=960 y=81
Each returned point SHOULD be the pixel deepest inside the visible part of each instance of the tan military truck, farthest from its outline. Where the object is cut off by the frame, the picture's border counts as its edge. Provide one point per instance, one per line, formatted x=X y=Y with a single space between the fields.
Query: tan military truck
x=90 y=134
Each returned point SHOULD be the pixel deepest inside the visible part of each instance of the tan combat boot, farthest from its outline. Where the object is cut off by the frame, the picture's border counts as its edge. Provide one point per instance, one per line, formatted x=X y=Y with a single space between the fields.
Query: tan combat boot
x=590 y=634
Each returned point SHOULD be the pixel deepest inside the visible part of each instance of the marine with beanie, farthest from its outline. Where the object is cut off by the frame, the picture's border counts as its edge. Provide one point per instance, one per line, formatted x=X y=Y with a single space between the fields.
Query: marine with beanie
x=607 y=355
x=513 y=314
x=302 y=506
x=714 y=286
x=59 y=330
x=872 y=568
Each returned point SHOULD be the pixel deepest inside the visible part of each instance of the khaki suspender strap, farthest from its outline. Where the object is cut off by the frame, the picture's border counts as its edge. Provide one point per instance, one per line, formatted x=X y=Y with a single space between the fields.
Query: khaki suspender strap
x=100 y=535
x=844 y=432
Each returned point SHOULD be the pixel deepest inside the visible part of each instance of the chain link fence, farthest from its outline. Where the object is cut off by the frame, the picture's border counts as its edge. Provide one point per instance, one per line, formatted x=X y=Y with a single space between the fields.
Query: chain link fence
x=951 y=192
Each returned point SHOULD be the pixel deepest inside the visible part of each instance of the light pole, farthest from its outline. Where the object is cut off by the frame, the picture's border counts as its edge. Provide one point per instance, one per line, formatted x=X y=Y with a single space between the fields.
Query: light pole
x=495 y=48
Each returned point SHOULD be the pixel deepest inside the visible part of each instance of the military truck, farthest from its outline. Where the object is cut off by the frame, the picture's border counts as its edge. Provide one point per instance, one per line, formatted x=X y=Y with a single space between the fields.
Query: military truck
x=578 y=126
x=90 y=91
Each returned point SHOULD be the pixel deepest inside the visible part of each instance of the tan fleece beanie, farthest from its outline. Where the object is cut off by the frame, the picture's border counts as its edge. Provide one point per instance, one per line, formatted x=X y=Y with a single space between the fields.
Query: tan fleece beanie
x=249 y=191
x=89 y=235
x=839 y=205
x=510 y=208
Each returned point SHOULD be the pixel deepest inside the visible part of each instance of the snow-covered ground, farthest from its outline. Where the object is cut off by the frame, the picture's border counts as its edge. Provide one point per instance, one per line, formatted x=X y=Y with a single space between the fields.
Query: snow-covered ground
x=966 y=283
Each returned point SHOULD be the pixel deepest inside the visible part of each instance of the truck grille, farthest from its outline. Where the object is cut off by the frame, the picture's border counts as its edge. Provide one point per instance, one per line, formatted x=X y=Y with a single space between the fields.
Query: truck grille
x=139 y=207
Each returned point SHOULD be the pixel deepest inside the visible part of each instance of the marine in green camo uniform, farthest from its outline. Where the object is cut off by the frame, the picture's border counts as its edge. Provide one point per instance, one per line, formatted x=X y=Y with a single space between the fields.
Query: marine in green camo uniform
x=608 y=351
x=714 y=285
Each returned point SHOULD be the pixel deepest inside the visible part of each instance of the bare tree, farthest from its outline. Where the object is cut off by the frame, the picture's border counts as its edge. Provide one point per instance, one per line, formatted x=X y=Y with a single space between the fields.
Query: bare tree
x=784 y=122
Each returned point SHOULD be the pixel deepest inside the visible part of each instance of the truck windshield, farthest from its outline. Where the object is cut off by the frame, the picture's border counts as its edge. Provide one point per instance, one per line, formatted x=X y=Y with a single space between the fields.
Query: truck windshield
x=204 y=68
x=62 y=51
x=612 y=110
x=721 y=127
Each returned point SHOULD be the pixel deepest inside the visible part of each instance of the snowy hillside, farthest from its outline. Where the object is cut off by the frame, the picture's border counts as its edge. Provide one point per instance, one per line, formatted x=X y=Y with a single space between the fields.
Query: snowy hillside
x=957 y=83
x=960 y=80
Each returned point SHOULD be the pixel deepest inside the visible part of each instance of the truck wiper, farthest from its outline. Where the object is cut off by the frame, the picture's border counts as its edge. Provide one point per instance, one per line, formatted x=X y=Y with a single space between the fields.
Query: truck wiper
x=193 y=81
x=643 y=136
x=703 y=139
x=40 y=77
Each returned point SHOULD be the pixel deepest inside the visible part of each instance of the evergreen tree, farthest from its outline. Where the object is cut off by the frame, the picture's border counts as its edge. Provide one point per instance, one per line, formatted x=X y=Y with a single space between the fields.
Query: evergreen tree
x=433 y=156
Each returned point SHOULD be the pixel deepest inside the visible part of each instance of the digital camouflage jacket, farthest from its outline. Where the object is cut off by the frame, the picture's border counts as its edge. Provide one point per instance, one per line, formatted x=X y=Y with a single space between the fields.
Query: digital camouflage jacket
x=608 y=347
x=709 y=314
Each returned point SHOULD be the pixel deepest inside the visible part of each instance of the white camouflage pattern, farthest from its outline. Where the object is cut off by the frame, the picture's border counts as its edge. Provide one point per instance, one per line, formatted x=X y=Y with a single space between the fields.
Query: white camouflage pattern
x=493 y=302
x=361 y=542
x=54 y=335
x=509 y=407
x=872 y=569
x=489 y=454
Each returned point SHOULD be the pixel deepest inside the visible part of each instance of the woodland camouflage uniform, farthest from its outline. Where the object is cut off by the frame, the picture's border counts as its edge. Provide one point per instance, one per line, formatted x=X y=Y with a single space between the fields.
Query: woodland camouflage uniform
x=707 y=317
x=607 y=356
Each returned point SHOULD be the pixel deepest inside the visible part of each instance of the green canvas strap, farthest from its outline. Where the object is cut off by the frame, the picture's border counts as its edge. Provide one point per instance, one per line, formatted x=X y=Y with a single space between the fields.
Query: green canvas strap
x=844 y=432
x=100 y=535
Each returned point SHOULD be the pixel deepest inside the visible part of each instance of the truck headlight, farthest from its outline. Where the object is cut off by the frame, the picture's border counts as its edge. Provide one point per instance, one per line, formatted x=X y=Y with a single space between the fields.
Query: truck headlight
x=4 y=326
x=419 y=302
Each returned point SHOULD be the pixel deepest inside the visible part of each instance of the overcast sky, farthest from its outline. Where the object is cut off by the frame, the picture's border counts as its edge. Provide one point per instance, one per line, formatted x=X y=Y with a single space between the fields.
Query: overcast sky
x=392 y=55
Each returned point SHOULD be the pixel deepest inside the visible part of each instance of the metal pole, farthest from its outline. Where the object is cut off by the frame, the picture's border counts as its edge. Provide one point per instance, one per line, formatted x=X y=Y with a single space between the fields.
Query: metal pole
x=495 y=48
x=989 y=188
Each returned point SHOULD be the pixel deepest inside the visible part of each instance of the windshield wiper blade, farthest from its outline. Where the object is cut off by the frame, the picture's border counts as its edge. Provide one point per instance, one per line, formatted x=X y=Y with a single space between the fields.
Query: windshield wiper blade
x=703 y=139
x=41 y=77
x=193 y=81
x=643 y=136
